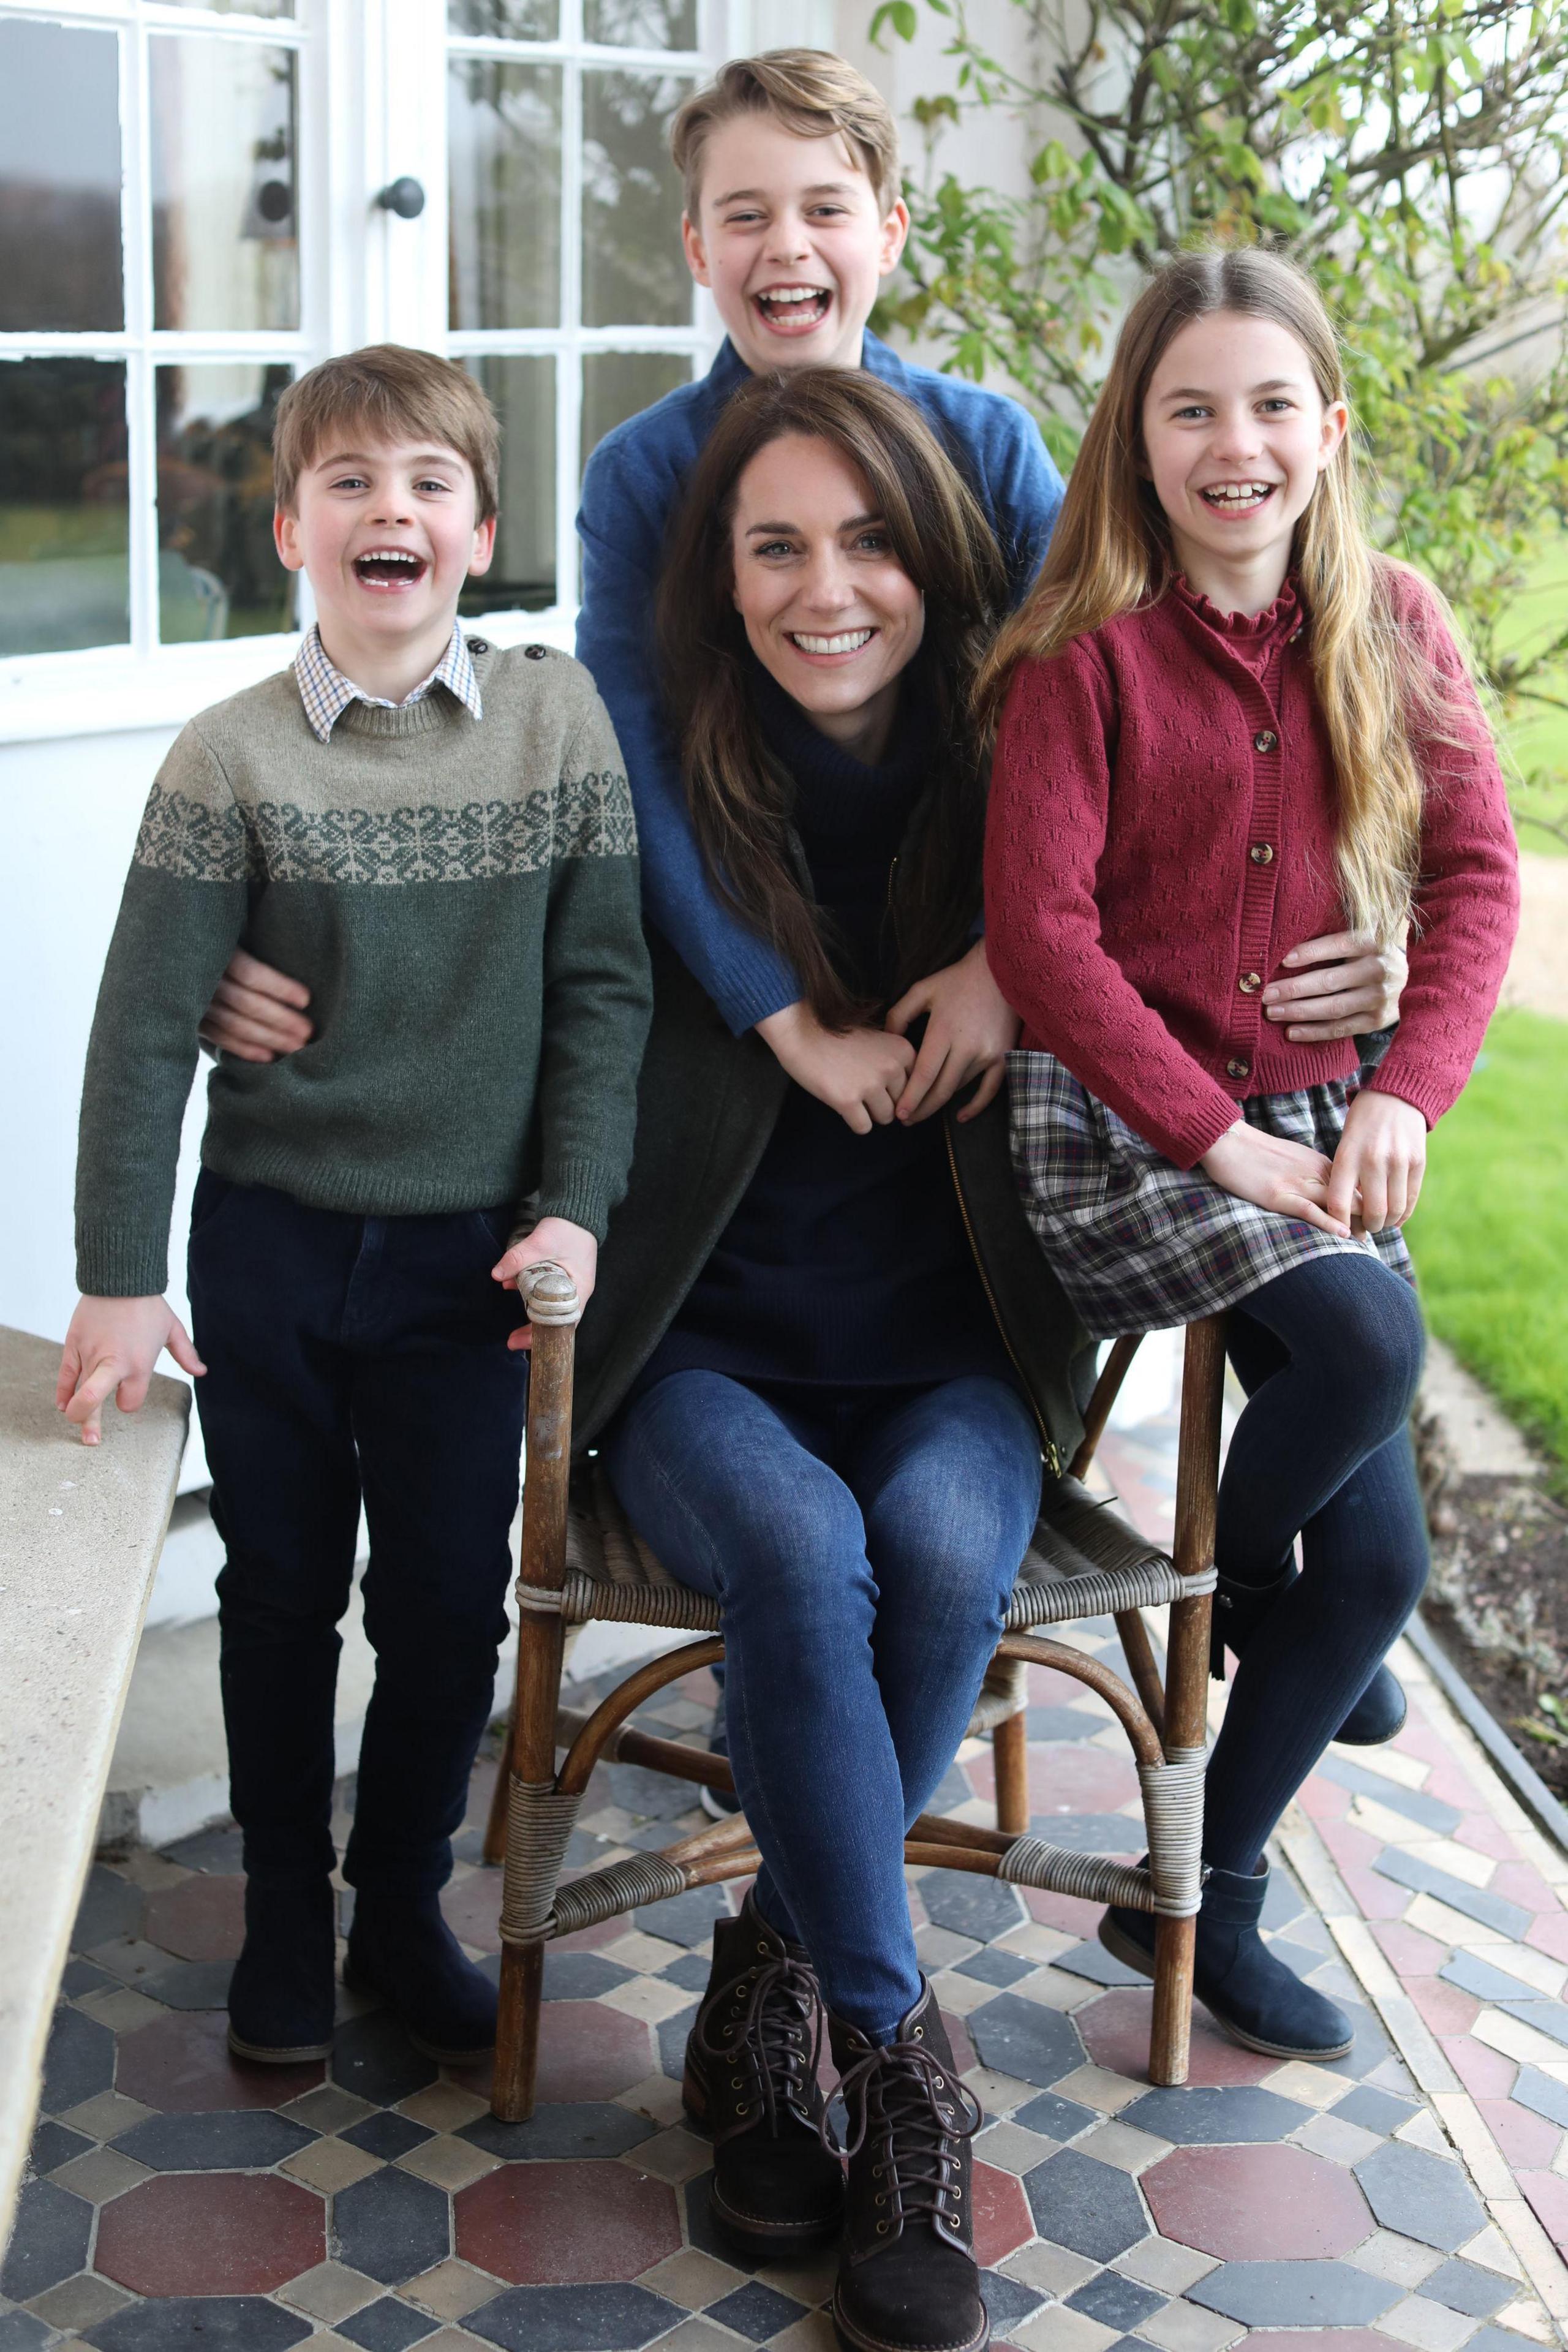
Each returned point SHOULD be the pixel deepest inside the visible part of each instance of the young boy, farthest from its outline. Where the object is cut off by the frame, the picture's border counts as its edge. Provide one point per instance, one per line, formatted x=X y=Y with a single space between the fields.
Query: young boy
x=437 y=839
x=793 y=218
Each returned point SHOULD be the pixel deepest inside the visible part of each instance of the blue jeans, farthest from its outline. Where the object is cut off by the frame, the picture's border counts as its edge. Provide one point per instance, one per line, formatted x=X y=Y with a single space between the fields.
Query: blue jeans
x=862 y=1545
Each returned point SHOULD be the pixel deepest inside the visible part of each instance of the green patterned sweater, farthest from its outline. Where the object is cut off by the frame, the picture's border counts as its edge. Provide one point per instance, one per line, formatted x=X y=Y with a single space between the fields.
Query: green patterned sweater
x=460 y=897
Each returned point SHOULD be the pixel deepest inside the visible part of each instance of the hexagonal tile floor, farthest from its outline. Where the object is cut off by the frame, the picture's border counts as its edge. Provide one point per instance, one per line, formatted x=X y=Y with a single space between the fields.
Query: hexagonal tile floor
x=1416 y=2193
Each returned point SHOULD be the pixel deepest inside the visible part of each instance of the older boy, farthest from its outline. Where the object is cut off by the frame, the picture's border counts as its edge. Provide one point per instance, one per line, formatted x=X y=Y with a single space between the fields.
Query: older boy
x=437 y=839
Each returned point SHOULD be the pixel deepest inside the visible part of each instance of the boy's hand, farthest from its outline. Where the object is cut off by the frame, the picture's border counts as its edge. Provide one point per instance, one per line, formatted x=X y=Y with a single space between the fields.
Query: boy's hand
x=561 y=1243
x=1286 y=1177
x=111 y=1346
x=257 y=1013
x=1380 y=1162
x=1339 y=986
x=971 y=1029
x=860 y=1073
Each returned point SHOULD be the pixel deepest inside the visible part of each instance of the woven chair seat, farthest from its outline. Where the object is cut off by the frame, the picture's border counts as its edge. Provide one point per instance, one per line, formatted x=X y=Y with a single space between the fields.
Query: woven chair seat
x=1084 y=1561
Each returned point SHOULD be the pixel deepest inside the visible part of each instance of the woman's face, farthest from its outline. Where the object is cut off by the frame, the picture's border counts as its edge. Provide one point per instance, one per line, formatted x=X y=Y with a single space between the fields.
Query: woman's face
x=828 y=609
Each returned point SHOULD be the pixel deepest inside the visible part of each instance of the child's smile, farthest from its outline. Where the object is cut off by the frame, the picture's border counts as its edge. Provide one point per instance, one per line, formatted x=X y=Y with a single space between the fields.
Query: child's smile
x=791 y=238
x=1236 y=435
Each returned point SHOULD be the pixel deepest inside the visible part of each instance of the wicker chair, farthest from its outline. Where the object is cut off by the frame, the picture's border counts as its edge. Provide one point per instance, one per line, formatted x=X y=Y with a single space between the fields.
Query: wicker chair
x=581 y=1559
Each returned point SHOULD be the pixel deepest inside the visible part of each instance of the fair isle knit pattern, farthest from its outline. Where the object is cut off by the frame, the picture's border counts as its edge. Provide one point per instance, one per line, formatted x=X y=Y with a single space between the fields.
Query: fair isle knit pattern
x=460 y=894
x=326 y=693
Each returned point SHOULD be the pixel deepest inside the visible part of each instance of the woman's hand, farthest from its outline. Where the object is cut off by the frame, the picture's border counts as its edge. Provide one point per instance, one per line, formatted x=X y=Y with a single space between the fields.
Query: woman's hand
x=110 y=1349
x=1345 y=985
x=560 y=1241
x=257 y=1013
x=971 y=1029
x=860 y=1073
x=1288 y=1177
x=1380 y=1162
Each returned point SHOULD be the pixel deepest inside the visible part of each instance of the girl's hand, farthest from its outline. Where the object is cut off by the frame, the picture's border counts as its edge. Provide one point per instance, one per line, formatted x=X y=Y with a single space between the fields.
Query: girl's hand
x=562 y=1244
x=1286 y=1177
x=256 y=1013
x=860 y=1075
x=1345 y=985
x=1378 y=1168
x=971 y=1029
x=110 y=1349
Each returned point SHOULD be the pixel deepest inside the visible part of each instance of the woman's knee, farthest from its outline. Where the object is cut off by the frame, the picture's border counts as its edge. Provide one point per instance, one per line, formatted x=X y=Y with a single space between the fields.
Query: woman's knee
x=1359 y=1324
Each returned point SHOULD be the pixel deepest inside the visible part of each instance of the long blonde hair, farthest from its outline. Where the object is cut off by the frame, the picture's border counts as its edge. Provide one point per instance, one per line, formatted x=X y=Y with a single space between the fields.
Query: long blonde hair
x=1110 y=552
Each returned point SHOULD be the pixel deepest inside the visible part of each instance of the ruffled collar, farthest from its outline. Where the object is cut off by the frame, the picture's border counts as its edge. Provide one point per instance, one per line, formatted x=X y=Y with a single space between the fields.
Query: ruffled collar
x=1245 y=628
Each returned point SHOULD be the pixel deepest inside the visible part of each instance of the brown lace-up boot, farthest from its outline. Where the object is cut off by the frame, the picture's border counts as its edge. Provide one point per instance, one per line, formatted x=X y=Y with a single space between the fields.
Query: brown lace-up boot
x=750 y=2077
x=906 y=2275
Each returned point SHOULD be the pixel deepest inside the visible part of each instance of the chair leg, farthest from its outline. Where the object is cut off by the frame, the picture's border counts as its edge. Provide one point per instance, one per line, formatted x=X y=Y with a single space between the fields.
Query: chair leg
x=1010 y=1760
x=495 y=1827
x=1186 y=1679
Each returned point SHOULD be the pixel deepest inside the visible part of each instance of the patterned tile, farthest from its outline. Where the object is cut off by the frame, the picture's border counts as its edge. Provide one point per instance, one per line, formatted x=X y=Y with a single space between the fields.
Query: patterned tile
x=392 y=2226
x=49 y=2242
x=1294 y=2295
x=1421 y=2196
x=1257 y=2203
x=211 y=2234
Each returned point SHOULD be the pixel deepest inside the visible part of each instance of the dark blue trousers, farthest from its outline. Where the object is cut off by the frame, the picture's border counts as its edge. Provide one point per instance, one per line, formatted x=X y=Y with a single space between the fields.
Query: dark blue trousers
x=356 y=1360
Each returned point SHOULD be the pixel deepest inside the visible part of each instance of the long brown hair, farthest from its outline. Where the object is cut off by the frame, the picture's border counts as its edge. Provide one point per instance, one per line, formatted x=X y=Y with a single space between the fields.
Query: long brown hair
x=1110 y=552
x=740 y=795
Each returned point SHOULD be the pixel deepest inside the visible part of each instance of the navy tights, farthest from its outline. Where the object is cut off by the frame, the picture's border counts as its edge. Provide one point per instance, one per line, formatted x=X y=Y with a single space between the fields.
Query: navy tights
x=1330 y=1355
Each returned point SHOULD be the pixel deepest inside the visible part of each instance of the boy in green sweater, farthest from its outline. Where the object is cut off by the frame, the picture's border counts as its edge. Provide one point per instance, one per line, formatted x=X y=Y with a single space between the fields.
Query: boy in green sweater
x=437 y=836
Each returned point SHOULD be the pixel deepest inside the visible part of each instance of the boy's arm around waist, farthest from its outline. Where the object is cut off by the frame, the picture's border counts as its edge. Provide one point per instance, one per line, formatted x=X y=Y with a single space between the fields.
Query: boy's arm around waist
x=598 y=989
x=181 y=917
x=622 y=536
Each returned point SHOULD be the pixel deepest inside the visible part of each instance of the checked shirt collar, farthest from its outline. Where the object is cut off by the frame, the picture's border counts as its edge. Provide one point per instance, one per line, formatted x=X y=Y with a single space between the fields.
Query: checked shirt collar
x=326 y=693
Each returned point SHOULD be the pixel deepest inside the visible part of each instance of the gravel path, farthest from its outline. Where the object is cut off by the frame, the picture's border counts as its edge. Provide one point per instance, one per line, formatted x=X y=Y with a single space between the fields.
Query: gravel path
x=1538 y=975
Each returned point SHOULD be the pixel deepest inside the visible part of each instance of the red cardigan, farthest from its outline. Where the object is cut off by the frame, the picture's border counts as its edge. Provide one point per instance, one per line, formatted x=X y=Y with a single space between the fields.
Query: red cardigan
x=1161 y=831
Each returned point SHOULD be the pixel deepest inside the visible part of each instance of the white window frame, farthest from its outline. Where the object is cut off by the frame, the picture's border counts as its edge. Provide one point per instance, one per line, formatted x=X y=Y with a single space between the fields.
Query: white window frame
x=372 y=101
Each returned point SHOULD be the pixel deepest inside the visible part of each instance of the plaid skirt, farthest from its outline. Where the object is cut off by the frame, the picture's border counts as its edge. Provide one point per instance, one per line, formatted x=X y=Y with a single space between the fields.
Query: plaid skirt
x=1138 y=1243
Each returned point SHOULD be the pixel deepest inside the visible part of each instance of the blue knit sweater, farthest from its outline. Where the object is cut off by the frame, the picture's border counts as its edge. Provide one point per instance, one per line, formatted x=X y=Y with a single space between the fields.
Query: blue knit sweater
x=633 y=481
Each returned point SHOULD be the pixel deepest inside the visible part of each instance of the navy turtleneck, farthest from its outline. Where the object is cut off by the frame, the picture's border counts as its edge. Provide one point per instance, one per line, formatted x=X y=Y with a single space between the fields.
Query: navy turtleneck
x=845 y=1263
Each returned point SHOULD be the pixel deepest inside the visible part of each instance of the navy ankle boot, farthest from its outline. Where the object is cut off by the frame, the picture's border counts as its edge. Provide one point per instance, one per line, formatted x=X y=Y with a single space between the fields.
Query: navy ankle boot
x=401 y=1947
x=284 y=1991
x=1240 y=1609
x=1259 y=2002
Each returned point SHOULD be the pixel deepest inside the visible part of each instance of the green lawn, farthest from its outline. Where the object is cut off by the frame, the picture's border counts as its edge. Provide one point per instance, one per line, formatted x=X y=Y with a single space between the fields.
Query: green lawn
x=1490 y=1235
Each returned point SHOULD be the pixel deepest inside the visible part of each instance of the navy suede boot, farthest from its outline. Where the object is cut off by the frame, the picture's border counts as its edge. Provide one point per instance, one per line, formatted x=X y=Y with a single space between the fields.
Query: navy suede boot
x=1240 y=1609
x=284 y=1991
x=401 y=1947
x=1259 y=2002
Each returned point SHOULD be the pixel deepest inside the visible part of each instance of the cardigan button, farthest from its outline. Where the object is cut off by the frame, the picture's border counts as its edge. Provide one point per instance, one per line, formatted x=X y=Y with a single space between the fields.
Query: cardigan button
x=478 y=644
x=1238 y=1069
x=536 y=652
x=1265 y=740
x=1261 y=853
x=1250 y=983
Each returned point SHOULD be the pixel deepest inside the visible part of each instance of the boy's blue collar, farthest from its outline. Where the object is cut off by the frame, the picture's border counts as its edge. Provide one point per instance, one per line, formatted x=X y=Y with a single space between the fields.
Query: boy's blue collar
x=729 y=371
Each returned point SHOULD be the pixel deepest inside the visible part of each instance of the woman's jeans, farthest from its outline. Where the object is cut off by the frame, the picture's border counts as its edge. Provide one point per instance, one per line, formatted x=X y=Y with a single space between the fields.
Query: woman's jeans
x=355 y=1359
x=862 y=1546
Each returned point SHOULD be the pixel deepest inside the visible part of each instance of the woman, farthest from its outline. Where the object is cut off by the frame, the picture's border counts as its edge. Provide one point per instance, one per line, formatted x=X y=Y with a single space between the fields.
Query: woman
x=792 y=1366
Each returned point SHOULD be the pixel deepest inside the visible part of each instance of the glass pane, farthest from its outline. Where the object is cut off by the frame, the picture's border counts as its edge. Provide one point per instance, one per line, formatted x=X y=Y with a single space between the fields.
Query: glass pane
x=237 y=7
x=634 y=273
x=504 y=125
x=523 y=572
x=59 y=179
x=218 y=573
x=65 y=569
x=225 y=247
x=641 y=23
x=505 y=20
x=616 y=385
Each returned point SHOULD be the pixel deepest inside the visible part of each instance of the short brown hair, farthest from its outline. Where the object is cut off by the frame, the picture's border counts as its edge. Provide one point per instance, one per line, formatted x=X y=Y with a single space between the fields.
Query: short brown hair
x=810 y=91
x=393 y=393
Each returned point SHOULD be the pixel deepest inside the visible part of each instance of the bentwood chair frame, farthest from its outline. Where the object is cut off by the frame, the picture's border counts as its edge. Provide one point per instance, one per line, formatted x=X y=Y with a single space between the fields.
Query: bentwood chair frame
x=579 y=1559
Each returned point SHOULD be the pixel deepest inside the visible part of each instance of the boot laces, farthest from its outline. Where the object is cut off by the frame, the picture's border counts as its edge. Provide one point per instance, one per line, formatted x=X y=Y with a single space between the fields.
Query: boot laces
x=910 y=2104
x=776 y=2035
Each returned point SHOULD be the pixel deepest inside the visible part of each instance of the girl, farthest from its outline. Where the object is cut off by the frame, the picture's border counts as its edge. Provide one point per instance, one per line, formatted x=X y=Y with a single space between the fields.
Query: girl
x=1225 y=722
